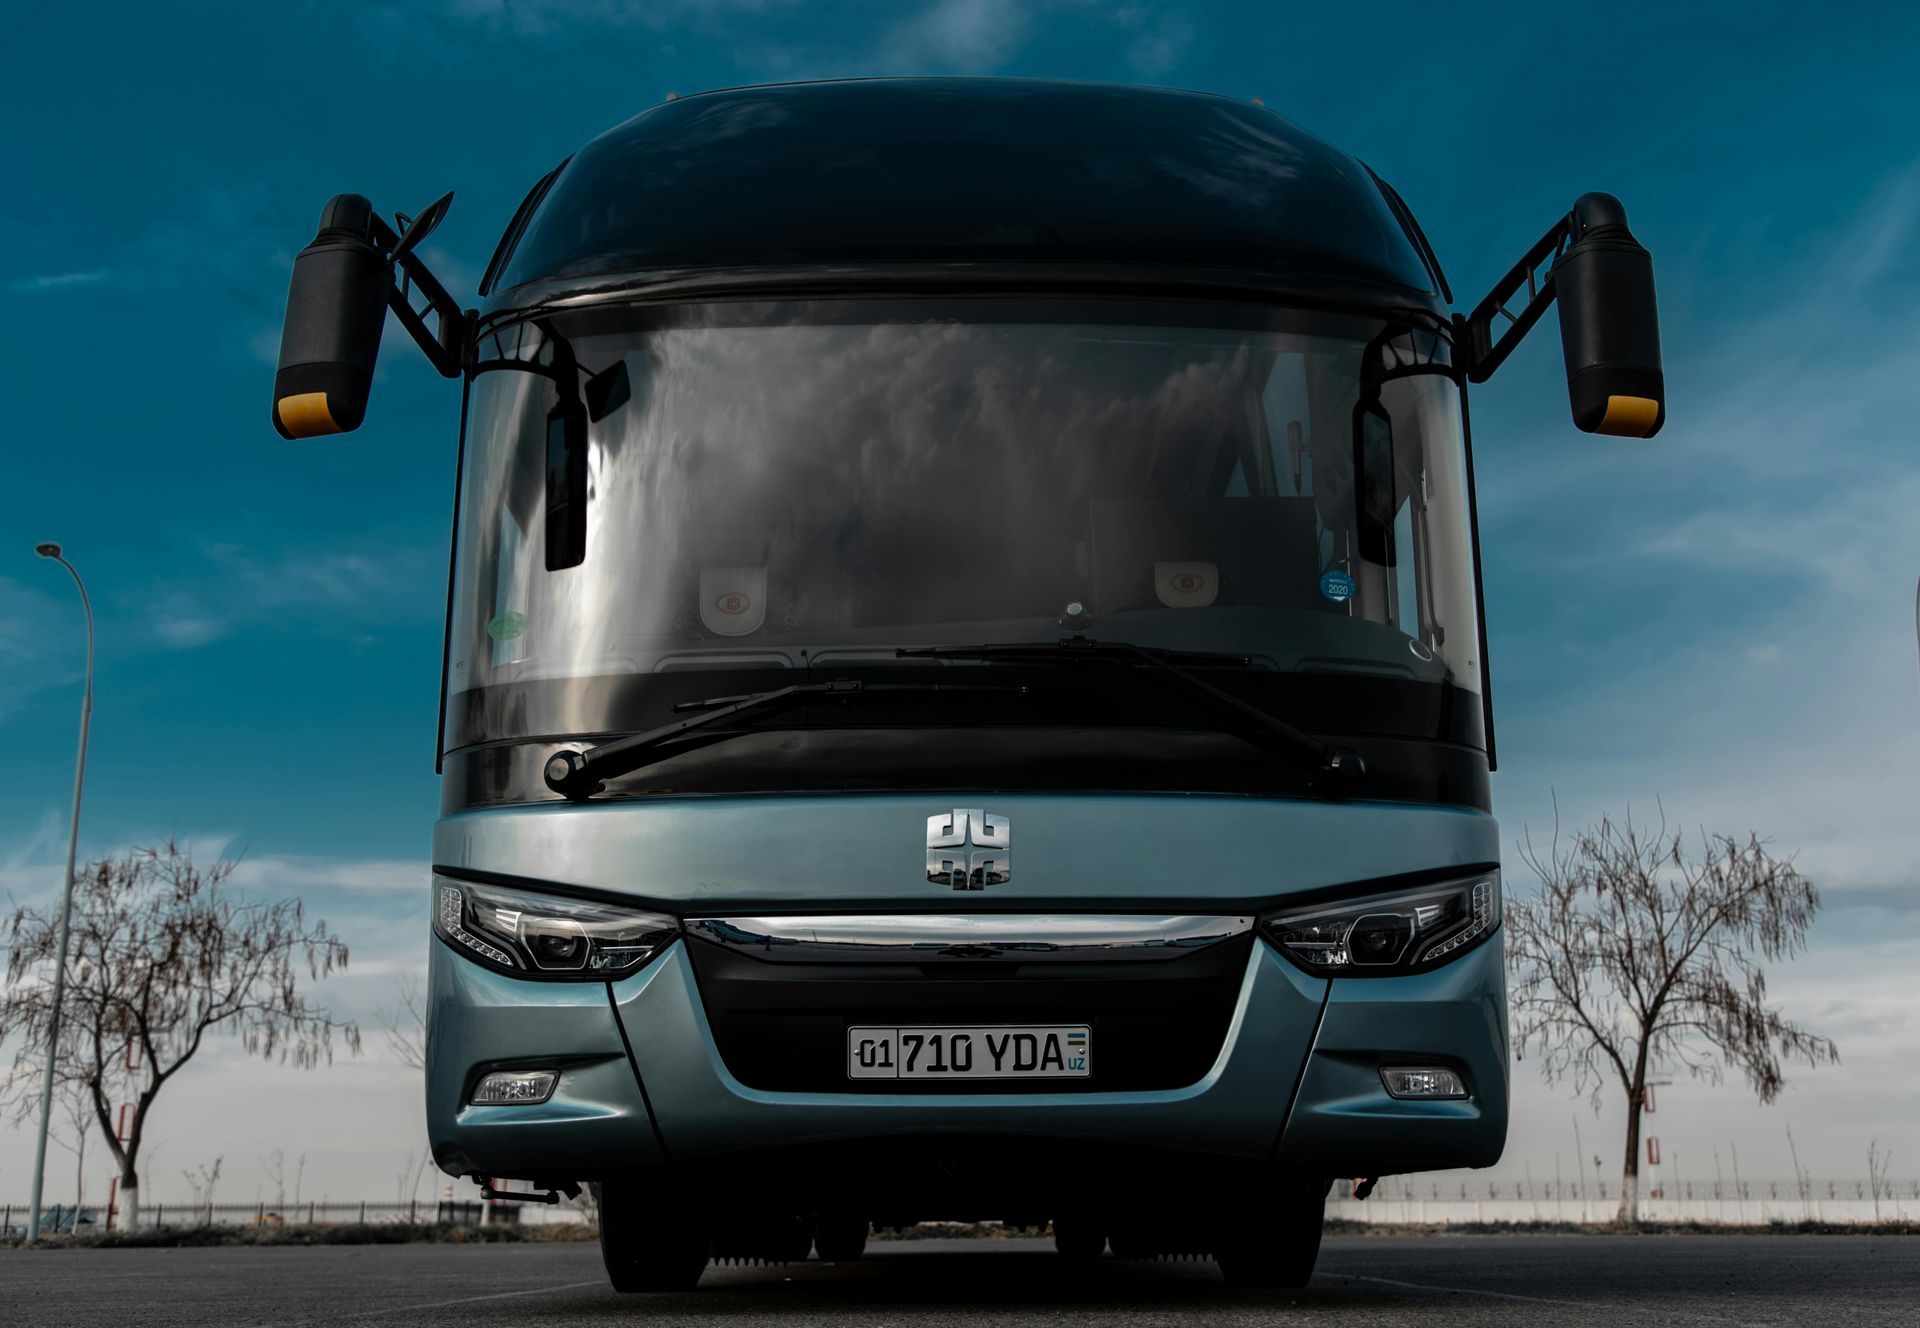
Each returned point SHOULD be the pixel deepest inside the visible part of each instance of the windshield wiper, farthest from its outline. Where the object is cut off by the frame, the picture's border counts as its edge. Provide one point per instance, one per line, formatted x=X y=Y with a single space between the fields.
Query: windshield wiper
x=580 y=775
x=1338 y=770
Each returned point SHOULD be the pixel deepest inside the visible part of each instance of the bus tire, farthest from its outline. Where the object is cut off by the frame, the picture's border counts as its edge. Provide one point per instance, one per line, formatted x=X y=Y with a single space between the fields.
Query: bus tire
x=1078 y=1240
x=840 y=1237
x=648 y=1242
x=1276 y=1247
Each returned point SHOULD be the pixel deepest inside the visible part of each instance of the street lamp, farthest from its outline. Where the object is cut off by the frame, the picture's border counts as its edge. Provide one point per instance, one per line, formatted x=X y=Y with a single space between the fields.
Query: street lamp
x=51 y=550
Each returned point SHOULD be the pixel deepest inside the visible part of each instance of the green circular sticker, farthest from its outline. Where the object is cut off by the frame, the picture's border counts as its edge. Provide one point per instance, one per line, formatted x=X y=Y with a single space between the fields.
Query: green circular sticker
x=506 y=626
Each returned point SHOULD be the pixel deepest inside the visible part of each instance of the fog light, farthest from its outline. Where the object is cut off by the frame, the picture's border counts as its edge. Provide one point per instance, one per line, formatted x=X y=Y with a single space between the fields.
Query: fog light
x=514 y=1087
x=1422 y=1081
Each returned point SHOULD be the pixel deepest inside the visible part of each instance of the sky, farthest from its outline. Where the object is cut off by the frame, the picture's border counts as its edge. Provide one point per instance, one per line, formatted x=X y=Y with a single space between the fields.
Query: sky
x=1720 y=620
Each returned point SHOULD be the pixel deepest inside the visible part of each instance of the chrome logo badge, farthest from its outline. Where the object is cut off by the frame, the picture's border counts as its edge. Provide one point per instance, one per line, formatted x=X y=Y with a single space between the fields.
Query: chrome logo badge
x=952 y=860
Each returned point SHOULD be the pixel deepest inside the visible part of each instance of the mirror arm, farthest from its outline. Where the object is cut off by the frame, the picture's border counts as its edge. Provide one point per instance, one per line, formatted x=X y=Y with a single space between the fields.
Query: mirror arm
x=1484 y=352
x=546 y=371
x=444 y=345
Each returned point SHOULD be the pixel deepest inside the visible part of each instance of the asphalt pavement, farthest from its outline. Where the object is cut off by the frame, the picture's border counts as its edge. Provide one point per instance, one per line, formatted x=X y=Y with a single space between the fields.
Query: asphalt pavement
x=1535 y=1280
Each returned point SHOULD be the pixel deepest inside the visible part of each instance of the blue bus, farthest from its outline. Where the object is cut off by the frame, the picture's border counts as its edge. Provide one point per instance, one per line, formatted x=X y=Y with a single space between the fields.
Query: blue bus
x=860 y=481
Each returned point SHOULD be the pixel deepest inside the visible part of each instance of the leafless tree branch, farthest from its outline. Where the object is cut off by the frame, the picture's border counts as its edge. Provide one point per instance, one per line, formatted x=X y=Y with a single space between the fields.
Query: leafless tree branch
x=1637 y=951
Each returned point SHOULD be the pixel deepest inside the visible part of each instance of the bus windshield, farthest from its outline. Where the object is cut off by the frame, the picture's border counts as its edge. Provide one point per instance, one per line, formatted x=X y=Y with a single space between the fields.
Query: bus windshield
x=799 y=485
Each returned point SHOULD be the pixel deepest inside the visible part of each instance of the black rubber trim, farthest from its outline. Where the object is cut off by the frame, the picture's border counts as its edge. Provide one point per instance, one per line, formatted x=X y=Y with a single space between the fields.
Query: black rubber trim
x=640 y=1080
x=1300 y=1078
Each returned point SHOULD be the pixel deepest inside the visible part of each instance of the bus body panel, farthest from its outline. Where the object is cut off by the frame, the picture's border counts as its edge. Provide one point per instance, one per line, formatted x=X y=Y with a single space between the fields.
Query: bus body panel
x=645 y=1083
x=477 y=1018
x=1236 y=1109
x=1344 y=1123
x=1090 y=852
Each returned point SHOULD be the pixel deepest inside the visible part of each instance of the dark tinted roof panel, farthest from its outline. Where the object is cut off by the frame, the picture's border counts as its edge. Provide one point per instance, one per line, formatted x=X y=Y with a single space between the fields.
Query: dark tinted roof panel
x=963 y=169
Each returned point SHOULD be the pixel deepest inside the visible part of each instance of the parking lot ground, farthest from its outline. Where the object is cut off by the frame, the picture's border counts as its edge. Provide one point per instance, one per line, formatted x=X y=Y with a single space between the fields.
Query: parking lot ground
x=1852 y=1280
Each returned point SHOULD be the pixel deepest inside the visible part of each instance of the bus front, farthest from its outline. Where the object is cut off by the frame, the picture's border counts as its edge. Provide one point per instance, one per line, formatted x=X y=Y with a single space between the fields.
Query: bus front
x=965 y=685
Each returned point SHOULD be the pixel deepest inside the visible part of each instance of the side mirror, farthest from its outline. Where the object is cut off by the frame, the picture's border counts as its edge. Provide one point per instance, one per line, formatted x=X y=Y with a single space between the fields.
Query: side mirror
x=566 y=483
x=1373 y=482
x=567 y=444
x=336 y=308
x=1609 y=327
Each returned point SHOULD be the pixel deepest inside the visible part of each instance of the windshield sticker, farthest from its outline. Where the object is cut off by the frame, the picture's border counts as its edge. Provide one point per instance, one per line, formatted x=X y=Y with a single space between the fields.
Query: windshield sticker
x=733 y=600
x=506 y=626
x=1186 y=585
x=1337 y=586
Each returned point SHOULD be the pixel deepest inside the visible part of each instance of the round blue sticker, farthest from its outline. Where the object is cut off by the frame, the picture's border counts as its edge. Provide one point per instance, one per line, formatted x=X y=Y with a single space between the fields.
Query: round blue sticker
x=1336 y=585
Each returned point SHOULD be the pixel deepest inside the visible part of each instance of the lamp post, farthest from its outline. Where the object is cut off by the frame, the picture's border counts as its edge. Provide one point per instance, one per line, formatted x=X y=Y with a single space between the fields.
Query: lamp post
x=50 y=550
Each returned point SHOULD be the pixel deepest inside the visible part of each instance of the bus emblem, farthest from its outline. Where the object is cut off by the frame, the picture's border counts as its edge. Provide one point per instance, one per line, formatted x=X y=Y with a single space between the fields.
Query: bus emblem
x=968 y=849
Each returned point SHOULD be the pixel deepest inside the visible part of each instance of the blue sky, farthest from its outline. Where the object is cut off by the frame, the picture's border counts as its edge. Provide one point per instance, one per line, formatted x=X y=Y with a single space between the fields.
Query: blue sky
x=1722 y=618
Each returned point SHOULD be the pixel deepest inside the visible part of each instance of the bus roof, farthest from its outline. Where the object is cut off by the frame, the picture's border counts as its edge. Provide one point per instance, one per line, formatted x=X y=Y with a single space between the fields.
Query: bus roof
x=964 y=171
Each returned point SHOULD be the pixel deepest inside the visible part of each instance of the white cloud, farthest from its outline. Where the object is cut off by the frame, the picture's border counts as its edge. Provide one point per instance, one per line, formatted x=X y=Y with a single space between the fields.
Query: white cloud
x=270 y=874
x=59 y=281
x=238 y=587
x=964 y=36
x=1159 y=45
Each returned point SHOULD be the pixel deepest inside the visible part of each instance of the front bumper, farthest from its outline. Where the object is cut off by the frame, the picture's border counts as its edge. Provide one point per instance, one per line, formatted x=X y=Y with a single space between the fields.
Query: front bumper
x=643 y=1085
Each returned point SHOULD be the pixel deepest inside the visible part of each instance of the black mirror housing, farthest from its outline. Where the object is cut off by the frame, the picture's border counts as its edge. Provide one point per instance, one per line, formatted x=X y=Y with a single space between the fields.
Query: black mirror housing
x=566 y=483
x=336 y=309
x=1373 y=482
x=1609 y=325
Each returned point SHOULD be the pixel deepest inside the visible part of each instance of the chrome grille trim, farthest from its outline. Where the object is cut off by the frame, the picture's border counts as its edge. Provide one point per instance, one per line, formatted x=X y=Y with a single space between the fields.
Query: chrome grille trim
x=940 y=937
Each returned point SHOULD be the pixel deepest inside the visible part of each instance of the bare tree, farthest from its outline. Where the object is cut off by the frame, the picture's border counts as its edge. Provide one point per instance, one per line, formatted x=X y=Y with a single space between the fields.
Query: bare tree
x=405 y=1023
x=162 y=955
x=76 y=1121
x=1637 y=953
x=274 y=1165
x=1878 y=1164
x=201 y=1182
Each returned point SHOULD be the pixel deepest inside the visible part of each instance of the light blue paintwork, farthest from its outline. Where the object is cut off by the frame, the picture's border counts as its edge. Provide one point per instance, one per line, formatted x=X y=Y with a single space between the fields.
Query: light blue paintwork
x=1344 y=1121
x=1294 y=1039
x=768 y=854
x=478 y=1017
x=1236 y=1108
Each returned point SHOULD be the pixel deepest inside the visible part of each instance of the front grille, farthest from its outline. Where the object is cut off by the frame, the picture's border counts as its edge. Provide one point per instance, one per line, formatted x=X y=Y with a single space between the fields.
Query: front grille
x=781 y=1026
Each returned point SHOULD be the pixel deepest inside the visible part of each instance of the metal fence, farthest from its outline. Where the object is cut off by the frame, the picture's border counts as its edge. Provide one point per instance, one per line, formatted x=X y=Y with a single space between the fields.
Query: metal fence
x=1397 y=1199
x=1420 y=1200
x=319 y=1212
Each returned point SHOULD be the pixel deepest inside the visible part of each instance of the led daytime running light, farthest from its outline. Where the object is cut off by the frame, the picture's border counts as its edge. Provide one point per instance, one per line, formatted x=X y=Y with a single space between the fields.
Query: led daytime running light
x=1483 y=920
x=450 y=920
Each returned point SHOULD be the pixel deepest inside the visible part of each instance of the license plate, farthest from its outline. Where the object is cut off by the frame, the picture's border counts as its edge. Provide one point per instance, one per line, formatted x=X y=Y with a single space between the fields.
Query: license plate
x=990 y=1051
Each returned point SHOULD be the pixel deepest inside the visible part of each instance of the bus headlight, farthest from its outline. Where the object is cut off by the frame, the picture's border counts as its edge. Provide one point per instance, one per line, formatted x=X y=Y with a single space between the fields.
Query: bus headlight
x=547 y=936
x=1381 y=935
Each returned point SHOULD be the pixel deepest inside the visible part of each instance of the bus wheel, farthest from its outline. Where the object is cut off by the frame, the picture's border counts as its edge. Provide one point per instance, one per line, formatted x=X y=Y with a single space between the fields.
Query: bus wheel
x=1078 y=1239
x=840 y=1237
x=648 y=1241
x=1276 y=1247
